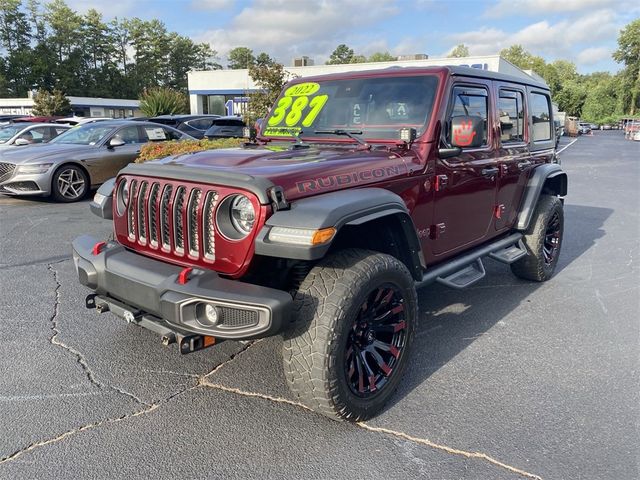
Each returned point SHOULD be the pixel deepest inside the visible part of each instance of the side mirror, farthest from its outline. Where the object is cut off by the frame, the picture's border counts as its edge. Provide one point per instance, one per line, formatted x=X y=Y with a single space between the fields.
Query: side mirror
x=115 y=142
x=21 y=141
x=467 y=131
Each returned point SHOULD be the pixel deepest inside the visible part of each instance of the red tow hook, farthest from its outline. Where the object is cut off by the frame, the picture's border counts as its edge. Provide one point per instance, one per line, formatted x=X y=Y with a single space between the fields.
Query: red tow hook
x=183 y=277
x=97 y=248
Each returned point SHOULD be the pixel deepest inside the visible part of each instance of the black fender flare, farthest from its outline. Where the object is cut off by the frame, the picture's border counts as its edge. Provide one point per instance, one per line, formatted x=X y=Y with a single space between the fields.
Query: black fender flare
x=544 y=175
x=336 y=209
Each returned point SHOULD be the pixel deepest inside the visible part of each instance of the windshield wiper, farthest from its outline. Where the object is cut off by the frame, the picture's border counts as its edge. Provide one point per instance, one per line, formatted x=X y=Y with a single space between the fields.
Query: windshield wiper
x=296 y=135
x=347 y=133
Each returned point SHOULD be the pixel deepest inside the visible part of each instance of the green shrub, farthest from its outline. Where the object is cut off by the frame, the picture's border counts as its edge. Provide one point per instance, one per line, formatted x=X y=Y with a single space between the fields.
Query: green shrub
x=163 y=101
x=153 y=150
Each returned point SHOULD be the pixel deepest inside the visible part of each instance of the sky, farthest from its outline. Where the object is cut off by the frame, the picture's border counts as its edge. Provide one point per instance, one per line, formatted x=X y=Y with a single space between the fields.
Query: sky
x=583 y=31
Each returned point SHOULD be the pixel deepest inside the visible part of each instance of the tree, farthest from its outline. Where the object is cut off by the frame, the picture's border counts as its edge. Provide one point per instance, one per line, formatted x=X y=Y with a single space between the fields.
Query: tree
x=163 y=101
x=600 y=102
x=51 y=103
x=382 y=57
x=264 y=60
x=459 y=51
x=628 y=52
x=269 y=79
x=241 y=57
x=342 y=54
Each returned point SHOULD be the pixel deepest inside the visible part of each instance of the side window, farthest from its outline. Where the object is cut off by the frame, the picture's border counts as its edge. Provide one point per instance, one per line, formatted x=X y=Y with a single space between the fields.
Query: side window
x=35 y=135
x=130 y=135
x=172 y=134
x=511 y=111
x=201 y=123
x=154 y=133
x=469 y=101
x=540 y=116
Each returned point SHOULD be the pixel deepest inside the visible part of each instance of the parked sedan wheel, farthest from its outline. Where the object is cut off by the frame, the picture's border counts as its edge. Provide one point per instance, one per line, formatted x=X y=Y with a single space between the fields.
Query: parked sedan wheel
x=70 y=184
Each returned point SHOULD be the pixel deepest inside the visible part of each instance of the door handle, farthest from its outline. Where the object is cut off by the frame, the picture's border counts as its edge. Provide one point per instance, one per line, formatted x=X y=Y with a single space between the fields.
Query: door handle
x=523 y=165
x=489 y=172
x=137 y=152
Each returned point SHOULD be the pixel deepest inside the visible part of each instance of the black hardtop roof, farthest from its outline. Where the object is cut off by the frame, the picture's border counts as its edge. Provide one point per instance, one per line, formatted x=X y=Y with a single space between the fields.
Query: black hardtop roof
x=449 y=69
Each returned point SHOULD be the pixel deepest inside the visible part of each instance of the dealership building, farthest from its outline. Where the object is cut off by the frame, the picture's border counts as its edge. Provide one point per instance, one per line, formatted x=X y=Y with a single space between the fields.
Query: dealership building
x=223 y=92
x=81 y=106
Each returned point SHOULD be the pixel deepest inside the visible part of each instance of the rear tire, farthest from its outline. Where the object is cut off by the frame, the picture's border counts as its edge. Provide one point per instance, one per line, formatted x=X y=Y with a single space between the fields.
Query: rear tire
x=543 y=240
x=357 y=313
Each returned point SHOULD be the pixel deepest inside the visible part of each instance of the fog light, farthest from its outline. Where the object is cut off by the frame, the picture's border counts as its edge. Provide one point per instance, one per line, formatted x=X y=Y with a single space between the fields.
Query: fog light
x=211 y=312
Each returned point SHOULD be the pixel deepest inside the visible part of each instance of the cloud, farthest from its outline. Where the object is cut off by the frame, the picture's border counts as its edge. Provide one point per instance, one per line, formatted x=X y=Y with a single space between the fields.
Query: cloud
x=556 y=40
x=211 y=4
x=289 y=28
x=504 y=8
x=593 y=55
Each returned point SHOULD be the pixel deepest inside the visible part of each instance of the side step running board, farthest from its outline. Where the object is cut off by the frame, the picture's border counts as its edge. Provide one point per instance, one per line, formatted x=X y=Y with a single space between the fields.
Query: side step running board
x=465 y=277
x=449 y=270
x=510 y=254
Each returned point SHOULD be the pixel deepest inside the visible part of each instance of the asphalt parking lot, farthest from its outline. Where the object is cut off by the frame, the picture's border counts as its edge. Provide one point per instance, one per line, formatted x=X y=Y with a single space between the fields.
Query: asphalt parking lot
x=509 y=379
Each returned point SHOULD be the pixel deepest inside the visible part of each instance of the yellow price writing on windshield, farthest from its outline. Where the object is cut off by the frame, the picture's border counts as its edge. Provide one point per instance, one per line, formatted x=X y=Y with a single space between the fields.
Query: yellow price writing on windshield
x=291 y=107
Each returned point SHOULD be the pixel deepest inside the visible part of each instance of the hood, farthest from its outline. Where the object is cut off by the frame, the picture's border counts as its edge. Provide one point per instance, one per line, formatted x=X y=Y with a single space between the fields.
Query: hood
x=44 y=152
x=304 y=171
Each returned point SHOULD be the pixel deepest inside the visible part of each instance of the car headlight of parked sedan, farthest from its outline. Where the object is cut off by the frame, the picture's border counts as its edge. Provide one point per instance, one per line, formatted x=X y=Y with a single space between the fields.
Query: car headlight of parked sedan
x=34 y=168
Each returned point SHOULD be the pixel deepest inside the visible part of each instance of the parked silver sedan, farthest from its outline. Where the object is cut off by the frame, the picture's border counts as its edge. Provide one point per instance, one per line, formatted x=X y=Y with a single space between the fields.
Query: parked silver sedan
x=79 y=159
x=29 y=133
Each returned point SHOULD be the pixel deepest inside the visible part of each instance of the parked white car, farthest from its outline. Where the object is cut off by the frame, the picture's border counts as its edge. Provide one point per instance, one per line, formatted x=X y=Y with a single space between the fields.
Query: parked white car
x=28 y=133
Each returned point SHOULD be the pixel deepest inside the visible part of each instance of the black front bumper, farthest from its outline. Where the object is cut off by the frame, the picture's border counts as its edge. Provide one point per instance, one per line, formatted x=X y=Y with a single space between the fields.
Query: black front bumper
x=147 y=292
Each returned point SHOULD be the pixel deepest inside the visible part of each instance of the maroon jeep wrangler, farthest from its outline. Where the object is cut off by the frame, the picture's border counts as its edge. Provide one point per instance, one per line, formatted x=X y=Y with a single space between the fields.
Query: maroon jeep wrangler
x=360 y=188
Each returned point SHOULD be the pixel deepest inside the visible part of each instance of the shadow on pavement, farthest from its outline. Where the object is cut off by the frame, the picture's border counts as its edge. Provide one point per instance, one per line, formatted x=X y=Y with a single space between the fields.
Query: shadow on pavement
x=443 y=332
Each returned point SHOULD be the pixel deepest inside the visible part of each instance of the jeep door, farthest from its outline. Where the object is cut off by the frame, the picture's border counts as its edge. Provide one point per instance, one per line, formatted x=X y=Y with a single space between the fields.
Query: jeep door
x=465 y=185
x=514 y=158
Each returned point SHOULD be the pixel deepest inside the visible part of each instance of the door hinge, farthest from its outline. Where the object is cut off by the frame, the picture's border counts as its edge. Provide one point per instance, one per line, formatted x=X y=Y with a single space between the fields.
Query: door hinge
x=498 y=211
x=435 y=231
x=440 y=182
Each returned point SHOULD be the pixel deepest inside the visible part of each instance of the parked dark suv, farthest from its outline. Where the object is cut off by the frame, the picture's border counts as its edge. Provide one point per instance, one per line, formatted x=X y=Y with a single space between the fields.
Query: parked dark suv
x=194 y=125
x=226 y=127
x=361 y=188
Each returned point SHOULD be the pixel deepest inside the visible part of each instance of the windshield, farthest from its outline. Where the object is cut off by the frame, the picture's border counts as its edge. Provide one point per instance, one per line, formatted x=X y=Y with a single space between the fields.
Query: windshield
x=7 y=132
x=377 y=107
x=89 y=134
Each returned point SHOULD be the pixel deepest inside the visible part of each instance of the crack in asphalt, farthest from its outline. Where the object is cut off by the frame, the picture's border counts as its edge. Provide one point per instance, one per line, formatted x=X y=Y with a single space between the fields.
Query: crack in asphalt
x=110 y=421
x=365 y=426
x=79 y=357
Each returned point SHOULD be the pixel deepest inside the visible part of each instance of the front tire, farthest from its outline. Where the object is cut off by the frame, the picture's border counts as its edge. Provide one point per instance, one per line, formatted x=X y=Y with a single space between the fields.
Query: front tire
x=543 y=240
x=357 y=313
x=70 y=183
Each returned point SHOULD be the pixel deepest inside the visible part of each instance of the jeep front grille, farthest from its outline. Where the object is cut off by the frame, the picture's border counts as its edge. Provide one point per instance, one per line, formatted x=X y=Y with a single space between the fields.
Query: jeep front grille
x=6 y=171
x=173 y=220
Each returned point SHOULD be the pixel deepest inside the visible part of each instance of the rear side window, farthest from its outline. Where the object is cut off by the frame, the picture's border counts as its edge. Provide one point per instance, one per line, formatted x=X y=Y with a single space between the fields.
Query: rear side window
x=540 y=116
x=469 y=101
x=200 y=124
x=511 y=111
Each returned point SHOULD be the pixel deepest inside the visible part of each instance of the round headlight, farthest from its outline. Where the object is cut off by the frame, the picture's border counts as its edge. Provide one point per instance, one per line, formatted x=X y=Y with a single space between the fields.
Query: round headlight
x=235 y=217
x=123 y=197
x=243 y=215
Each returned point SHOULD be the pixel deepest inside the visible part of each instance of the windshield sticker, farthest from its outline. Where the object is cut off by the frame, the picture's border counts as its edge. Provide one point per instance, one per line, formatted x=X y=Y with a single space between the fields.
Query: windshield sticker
x=282 y=131
x=297 y=108
x=306 y=89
